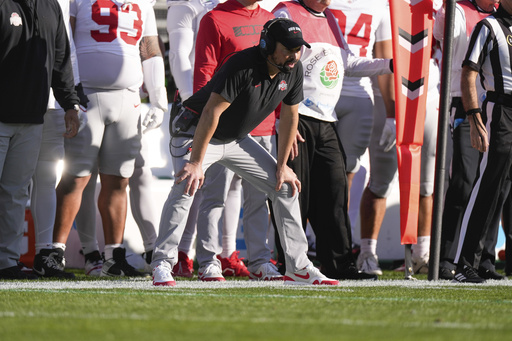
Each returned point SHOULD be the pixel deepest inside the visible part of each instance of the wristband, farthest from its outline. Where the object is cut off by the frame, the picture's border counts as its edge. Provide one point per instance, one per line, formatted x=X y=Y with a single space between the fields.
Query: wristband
x=471 y=112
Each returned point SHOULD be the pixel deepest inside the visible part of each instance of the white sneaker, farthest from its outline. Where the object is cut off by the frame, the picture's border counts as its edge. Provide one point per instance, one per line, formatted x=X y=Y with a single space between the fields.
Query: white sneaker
x=266 y=272
x=368 y=263
x=308 y=275
x=420 y=264
x=162 y=275
x=210 y=273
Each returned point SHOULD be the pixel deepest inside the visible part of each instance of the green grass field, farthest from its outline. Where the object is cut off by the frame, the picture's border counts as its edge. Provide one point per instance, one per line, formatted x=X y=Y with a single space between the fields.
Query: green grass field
x=388 y=309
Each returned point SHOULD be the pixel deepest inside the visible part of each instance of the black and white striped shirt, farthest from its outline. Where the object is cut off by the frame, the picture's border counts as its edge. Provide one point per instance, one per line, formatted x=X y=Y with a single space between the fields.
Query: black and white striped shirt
x=490 y=52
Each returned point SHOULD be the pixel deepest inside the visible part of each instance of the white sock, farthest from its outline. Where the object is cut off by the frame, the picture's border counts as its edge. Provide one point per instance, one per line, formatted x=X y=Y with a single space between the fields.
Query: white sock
x=369 y=245
x=109 y=250
x=59 y=246
x=422 y=247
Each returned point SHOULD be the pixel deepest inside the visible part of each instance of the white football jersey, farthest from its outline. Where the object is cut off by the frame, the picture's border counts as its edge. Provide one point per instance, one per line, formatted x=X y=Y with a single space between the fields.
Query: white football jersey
x=107 y=37
x=360 y=21
x=183 y=19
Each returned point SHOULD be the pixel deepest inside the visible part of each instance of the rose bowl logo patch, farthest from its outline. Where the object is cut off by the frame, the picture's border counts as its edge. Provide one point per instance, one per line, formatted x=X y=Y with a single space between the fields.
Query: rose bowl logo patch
x=329 y=75
x=283 y=86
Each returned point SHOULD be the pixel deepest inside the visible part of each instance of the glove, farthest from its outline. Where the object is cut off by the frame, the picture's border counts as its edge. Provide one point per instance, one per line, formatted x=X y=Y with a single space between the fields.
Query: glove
x=153 y=119
x=82 y=118
x=388 y=137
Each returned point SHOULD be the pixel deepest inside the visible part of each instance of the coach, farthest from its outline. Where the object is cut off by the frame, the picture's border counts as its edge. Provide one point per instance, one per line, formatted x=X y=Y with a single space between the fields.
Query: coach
x=241 y=95
x=34 y=55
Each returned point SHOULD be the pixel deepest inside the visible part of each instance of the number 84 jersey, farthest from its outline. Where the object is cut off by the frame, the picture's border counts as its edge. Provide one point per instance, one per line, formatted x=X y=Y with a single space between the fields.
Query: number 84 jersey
x=362 y=22
x=107 y=36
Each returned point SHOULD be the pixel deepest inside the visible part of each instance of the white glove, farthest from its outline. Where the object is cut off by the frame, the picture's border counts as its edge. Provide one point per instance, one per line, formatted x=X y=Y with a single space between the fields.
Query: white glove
x=82 y=118
x=153 y=119
x=388 y=137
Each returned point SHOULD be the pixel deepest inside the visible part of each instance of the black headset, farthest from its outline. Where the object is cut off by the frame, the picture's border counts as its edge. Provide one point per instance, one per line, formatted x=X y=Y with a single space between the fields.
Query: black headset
x=267 y=42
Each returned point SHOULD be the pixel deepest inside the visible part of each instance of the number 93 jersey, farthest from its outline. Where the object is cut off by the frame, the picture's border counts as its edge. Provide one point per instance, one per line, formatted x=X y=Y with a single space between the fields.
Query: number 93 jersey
x=107 y=35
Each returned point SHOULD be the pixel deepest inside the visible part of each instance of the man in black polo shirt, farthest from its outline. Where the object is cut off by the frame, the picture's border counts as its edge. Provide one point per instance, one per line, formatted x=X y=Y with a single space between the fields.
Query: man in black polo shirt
x=489 y=54
x=240 y=95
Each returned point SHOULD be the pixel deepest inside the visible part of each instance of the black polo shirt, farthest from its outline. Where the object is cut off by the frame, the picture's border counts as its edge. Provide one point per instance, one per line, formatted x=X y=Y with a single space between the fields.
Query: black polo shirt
x=244 y=82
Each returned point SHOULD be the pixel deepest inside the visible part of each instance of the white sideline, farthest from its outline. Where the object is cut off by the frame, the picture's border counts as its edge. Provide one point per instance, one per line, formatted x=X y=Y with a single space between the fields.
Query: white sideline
x=145 y=284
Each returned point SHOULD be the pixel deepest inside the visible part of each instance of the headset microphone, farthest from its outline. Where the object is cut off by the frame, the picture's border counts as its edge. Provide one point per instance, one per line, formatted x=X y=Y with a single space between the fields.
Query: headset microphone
x=282 y=68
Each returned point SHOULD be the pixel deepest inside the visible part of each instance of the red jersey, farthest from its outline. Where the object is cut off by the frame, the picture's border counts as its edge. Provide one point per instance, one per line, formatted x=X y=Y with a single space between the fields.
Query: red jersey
x=228 y=28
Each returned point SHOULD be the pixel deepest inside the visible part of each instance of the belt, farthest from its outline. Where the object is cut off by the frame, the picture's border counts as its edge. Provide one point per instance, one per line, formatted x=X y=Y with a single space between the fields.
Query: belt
x=502 y=99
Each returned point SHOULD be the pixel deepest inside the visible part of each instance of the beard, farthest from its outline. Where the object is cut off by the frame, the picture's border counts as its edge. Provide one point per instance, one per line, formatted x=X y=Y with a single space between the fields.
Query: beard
x=284 y=67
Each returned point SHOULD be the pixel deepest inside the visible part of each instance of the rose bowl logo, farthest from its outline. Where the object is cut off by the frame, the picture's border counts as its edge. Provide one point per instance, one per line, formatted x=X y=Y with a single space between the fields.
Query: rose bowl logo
x=15 y=19
x=329 y=75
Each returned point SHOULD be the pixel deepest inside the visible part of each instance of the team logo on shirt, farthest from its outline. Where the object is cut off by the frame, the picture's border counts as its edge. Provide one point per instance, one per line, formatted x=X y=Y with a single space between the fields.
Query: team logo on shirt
x=509 y=40
x=329 y=76
x=282 y=86
x=15 y=19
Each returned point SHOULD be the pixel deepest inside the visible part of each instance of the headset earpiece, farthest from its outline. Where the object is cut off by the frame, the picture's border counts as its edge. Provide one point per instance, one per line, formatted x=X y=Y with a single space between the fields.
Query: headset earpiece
x=267 y=41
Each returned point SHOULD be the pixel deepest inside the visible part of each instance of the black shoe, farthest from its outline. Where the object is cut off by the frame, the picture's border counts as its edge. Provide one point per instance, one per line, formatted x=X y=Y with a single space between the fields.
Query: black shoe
x=281 y=268
x=350 y=272
x=117 y=266
x=490 y=274
x=148 y=256
x=465 y=273
x=50 y=263
x=446 y=273
x=15 y=272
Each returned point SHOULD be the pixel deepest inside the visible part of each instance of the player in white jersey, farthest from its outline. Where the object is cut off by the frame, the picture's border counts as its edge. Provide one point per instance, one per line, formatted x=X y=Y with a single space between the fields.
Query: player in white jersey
x=111 y=38
x=358 y=21
x=141 y=197
x=43 y=197
x=383 y=167
x=183 y=18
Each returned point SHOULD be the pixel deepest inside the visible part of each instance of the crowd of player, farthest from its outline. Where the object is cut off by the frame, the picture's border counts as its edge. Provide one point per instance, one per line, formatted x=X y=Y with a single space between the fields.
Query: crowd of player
x=334 y=105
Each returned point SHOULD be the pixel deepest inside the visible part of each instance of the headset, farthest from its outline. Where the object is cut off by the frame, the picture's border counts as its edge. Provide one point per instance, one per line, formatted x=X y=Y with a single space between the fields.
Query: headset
x=267 y=42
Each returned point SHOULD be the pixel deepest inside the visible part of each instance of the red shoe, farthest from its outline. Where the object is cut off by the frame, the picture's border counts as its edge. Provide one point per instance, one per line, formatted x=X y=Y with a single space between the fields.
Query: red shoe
x=233 y=266
x=184 y=267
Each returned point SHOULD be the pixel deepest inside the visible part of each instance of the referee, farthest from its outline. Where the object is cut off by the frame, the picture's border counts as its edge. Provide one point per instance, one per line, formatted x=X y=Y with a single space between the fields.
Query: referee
x=489 y=54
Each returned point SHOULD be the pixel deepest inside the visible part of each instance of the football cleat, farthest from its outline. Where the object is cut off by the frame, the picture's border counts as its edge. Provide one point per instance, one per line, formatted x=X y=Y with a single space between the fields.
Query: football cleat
x=93 y=264
x=117 y=266
x=14 y=272
x=420 y=264
x=184 y=267
x=233 y=266
x=50 y=263
x=368 y=263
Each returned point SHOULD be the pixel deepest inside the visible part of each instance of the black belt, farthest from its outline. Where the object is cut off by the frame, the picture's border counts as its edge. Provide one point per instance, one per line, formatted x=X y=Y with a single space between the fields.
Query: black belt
x=502 y=99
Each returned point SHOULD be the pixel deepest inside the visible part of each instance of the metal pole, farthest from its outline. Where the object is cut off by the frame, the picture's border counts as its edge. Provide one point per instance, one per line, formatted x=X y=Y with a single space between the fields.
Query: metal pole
x=442 y=138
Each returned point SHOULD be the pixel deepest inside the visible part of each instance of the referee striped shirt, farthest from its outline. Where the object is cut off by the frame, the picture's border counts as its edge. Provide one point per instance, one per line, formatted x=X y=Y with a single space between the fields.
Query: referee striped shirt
x=490 y=52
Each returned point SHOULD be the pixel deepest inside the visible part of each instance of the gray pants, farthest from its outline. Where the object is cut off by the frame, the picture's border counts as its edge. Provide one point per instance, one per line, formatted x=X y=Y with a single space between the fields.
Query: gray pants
x=254 y=164
x=255 y=218
x=19 y=150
